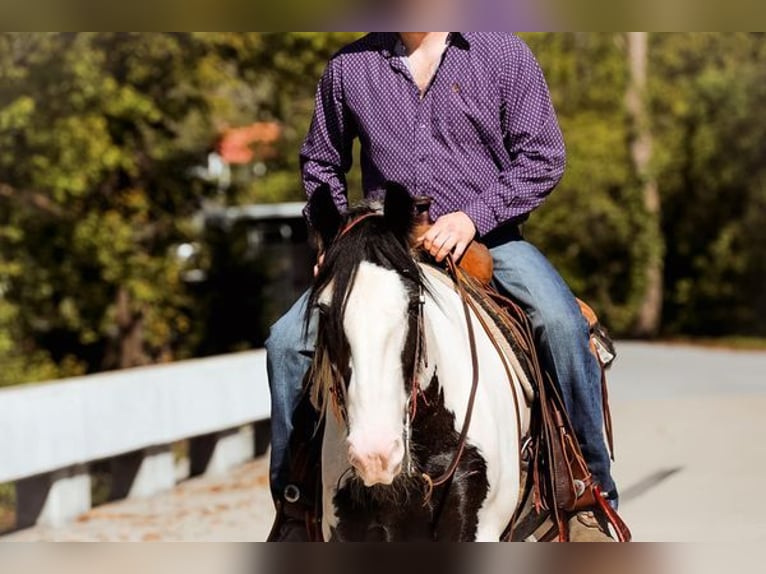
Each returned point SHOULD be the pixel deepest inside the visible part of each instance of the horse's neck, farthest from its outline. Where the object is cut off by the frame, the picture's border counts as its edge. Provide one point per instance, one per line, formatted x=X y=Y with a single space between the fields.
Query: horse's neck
x=448 y=350
x=447 y=345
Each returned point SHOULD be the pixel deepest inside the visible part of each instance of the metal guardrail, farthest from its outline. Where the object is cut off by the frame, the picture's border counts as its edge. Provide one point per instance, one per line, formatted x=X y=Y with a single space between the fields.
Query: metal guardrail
x=50 y=433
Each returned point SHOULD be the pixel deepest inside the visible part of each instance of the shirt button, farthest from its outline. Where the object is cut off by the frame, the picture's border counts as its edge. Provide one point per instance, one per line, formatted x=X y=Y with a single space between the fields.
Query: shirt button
x=422 y=126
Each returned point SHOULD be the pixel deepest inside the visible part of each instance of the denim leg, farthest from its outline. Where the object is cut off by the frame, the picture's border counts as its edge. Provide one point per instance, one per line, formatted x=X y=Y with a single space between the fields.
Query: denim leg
x=563 y=339
x=288 y=358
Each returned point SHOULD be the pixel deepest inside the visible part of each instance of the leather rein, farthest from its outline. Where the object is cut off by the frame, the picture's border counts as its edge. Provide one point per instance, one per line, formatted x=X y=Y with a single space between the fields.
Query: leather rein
x=450 y=470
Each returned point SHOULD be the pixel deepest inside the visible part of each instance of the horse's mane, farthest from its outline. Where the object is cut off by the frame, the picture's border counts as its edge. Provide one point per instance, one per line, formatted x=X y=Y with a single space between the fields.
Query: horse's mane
x=371 y=240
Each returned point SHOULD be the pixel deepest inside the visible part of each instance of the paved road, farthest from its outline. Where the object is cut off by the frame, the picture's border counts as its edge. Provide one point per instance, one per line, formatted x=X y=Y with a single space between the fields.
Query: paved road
x=691 y=440
x=646 y=371
x=690 y=430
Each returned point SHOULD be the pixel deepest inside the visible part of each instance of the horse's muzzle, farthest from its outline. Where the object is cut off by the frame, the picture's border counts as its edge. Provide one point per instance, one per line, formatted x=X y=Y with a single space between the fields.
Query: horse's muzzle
x=376 y=462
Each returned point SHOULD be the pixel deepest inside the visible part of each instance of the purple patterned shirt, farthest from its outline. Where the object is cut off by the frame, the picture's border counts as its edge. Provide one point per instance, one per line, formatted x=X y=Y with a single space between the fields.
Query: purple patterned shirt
x=483 y=139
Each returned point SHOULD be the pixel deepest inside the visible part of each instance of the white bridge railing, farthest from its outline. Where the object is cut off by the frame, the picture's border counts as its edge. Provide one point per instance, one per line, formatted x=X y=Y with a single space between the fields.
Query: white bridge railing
x=50 y=433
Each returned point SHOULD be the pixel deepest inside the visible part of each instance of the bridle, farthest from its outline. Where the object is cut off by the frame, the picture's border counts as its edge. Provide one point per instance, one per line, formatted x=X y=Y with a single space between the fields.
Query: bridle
x=416 y=391
x=337 y=388
x=354 y=222
x=420 y=356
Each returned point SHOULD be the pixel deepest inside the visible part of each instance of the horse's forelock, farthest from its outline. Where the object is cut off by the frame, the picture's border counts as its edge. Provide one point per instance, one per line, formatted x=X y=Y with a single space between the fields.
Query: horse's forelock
x=371 y=241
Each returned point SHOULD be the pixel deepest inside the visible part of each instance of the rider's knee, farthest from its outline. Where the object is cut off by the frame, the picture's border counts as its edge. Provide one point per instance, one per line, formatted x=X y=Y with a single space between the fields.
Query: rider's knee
x=285 y=337
x=289 y=335
x=562 y=326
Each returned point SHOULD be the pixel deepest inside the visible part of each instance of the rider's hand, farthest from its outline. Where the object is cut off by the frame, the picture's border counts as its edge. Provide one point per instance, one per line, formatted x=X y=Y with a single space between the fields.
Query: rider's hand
x=318 y=264
x=451 y=233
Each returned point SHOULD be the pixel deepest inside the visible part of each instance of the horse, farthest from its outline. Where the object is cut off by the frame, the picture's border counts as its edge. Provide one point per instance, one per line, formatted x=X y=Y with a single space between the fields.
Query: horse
x=420 y=426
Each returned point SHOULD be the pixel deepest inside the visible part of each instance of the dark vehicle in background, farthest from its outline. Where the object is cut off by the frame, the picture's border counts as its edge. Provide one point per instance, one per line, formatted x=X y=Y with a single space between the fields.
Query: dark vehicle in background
x=251 y=264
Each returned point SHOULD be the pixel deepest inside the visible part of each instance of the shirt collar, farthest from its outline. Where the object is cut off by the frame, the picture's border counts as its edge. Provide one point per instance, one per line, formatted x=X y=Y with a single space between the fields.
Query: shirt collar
x=459 y=39
x=390 y=44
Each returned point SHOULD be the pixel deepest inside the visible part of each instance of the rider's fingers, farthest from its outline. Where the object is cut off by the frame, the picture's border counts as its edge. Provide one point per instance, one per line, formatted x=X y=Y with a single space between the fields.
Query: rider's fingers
x=430 y=236
x=459 y=250
x=436 y=241
x=445 y=249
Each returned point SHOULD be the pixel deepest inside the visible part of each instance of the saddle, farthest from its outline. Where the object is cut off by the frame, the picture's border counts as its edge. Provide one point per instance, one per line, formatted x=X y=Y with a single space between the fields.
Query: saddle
x=558 y=481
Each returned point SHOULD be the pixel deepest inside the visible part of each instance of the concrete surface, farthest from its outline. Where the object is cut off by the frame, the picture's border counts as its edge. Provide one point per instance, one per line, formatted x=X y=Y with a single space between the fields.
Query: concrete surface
x=690 y=430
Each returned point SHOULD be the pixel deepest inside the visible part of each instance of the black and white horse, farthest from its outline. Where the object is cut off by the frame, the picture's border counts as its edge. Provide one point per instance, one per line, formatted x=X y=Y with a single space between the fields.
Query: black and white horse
x=393 y=377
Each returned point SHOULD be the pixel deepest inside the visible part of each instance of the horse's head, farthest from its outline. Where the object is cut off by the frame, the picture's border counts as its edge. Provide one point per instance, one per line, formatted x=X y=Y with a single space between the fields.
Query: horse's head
x=368 y=291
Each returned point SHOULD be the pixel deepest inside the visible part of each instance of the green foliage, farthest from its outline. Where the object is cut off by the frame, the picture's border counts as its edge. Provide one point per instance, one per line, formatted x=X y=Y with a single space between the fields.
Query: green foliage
x=709 y=123
x=709 y=91
x=99 y=135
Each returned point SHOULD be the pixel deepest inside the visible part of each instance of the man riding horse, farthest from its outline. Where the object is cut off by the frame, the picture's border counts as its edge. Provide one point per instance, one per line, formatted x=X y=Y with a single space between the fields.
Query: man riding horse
x=467 y=120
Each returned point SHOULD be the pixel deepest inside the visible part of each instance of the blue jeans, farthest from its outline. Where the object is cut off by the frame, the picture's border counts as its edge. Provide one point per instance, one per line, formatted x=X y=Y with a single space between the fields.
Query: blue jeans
x=562 y=336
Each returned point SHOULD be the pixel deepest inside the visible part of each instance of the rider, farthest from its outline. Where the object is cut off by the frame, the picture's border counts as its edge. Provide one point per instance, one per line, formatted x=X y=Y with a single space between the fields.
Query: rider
x=467 y=119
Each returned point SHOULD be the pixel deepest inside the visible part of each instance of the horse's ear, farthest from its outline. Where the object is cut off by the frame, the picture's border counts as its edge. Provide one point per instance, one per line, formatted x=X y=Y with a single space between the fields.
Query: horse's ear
x=398 y=209
x=324 y=215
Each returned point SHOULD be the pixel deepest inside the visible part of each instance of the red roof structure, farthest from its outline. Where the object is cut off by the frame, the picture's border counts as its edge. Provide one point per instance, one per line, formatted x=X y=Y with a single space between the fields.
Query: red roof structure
x=249 y=143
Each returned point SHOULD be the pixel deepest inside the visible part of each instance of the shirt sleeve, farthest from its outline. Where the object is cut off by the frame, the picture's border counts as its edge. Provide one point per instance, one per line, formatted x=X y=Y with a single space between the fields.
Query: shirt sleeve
x=533 y=140
x=325 y=156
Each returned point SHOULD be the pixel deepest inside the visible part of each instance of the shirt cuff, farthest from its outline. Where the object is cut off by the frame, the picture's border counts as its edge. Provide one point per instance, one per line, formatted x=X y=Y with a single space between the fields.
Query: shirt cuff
x=482 y=216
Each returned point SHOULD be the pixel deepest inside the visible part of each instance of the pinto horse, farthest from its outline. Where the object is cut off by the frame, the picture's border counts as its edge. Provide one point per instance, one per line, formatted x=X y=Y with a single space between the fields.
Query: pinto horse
x=400 y=361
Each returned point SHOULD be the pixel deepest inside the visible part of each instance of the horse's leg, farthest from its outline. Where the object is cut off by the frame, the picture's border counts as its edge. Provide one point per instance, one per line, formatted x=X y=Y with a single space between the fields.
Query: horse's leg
x=457 y=516
x=496 y=513
x=460 y=522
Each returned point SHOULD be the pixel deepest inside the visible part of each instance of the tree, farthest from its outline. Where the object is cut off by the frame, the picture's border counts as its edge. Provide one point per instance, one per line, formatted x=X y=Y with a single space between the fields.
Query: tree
x=592 y=225
x=641 y=144
x=707 y=108
x=99 y=132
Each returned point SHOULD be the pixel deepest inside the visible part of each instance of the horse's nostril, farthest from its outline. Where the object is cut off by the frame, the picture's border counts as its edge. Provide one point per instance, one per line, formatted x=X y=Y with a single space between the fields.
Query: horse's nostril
x=382 y=460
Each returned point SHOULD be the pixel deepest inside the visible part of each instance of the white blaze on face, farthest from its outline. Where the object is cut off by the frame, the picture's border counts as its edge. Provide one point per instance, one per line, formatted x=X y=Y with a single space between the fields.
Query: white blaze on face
x=375 y=323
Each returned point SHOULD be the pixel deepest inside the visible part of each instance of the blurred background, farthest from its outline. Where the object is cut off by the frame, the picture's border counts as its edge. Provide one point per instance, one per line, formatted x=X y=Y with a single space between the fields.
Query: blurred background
x=120 y=152
x=150 y=191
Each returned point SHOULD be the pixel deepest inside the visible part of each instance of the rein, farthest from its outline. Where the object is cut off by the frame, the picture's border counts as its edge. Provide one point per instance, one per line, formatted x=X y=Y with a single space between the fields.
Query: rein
x=351 y=224
x=450 y=471
x=468 y=305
